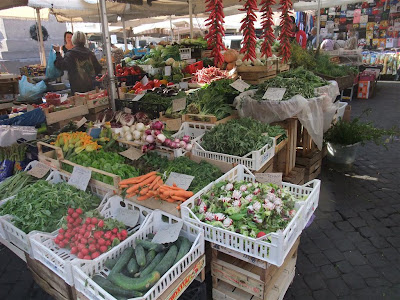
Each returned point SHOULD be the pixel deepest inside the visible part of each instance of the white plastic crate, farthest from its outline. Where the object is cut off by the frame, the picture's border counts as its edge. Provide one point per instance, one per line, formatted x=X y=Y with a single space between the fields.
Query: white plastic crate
x=341 y=109
x=191 y=129
x=253 y=160
x=19 y=238
x=186 y=53
x=59 y=259
x=273 y=251
x=82 y=272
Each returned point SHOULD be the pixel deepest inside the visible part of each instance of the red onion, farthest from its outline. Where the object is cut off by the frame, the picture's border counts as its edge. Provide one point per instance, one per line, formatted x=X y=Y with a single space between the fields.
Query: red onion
x=141 y=117
x=174 y=145
x=186 y=139
x=148 y=131
x=182 y=144
x=156 y=132
x=150 y=139
x=167 y=142
x=177 y=141
x=157 y=125
x=145 y=148
x=152 y=146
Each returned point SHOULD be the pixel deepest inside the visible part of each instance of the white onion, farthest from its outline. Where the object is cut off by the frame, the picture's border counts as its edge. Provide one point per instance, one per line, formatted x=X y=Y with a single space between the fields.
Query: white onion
x=128 y=137
x=140 y=127
x=136 y=134
x=161 y=138
x=133 y=128
x=189 y=147
x=126 y=128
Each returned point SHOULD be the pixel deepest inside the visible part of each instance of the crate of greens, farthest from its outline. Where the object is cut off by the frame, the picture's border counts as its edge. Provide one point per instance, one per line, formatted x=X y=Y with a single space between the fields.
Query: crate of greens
x=260 y=220
x=143 y=269
x=244 y=141
x=116 y=220
x=41 y=206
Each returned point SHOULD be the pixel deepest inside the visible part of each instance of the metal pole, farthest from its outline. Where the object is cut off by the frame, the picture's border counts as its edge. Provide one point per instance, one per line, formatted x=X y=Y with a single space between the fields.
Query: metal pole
x=124 y=32
x=318 y=21
x=191 y=18
x=41 y=43
x=170 y=25
x=107 y=48
x=72 y=25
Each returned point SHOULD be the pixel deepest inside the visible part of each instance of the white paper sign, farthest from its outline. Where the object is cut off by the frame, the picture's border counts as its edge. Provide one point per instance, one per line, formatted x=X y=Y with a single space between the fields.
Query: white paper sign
x=128 y=217
x=275 y=178
x=178 y=104
x=274 y=94
x=167 y=71
x=132 y=153
x=184 y=85
x=113 y=38
x=139 y=96
x=80 y=178
x=81 y=122
x=127 y=110
x=168 y=234
x=39 y=170
x=181 y=180
x=144 y=80
x=240 y=85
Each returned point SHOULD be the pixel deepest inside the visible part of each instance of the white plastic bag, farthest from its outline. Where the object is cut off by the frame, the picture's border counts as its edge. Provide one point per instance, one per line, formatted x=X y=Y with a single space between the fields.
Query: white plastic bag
x=10 y=134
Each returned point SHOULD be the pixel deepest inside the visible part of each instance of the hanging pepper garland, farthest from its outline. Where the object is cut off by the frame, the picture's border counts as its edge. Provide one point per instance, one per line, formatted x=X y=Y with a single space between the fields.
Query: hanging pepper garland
x=216 y=29
x=267 y=31
x=249 y=32
x=286 y=29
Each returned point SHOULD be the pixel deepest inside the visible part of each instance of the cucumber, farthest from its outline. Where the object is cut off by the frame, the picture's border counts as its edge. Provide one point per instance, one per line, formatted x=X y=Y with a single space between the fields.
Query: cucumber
x=122 y=261
x=150 y=236
x=168 y=261
x=140 y=255
x=149 y=258
x=142 y=284
x=110 y=263
x=183 y=249
x=178 y=242
x=114 y=290
x=153 y=264
x=150 y=246
x=132 y=266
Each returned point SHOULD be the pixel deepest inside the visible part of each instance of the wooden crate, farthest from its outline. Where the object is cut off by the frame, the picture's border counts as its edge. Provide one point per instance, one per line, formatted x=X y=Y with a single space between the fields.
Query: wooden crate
x=286 y=158
x=94 y=98
x=296 y=176
x=311 y=163
x=95 y=112
x=305 y=143
x=282 y=67
x=52 y=157
x=49 y=281
x=257 y=74
x=210 y=119
x=80 y=109
x=171 y=124
x=249 y=275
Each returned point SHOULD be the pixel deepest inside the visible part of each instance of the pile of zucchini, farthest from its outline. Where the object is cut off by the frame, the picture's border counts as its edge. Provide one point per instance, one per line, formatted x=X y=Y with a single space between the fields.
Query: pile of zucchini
x=139 y=268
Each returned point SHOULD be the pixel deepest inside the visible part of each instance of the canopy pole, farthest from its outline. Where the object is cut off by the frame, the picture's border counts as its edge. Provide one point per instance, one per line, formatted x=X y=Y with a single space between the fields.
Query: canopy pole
x=318 y=21
x=124 y=32
x=107 y=47
x=191 y=18
x=170 y=25
x=41 y=42
x=72 y=25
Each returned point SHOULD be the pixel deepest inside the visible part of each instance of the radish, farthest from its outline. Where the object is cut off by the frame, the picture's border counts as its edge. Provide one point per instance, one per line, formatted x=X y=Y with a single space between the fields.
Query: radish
x=182 y=144
x=189 y=147
x=161 y=138
x=174 y=145
x=177 y=141
x=186 y=139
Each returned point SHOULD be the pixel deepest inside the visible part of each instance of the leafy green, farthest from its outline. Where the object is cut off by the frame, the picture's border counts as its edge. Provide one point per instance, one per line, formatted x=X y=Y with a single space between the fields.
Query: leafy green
x=12 y=185
x=42 y=205
x=239 y=137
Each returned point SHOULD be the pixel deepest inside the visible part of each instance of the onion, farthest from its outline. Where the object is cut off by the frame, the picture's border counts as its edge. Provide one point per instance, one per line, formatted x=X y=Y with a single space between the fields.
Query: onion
x=133 y=128
x=128 y=137
x=161 y=138
x=140 y=126
x=156 y=132
x=186 y=139
x=157 y=125
x=152 y=146
x=126 y=128
x=145 y=148
x=136 y=134
x=150 y=139
x=144 y=136
x=148 y=131
x=174 y=145
x=167 y=142
x=189 y=147
x=177 y=141
x=182 y=144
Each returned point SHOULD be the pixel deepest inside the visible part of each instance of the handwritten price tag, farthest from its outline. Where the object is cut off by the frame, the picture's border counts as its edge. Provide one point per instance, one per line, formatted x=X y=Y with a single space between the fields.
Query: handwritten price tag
x=275 y=178
x=174 y=124
x=240 y=85
x=132 y=153
x=168 y=234
x=139 y=96
x=39 y=170
x=128 y=217
x=81 y=122
x=178 y=104
x=181 y=180
x=184 y=85
x=274 y=94
x=167 y=70
x=144 y=80
x=80 y=178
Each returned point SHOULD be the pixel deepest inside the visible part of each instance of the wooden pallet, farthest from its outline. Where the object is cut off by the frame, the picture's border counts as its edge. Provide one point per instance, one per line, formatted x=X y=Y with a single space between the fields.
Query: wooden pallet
x=252 y=276
x=171 y=124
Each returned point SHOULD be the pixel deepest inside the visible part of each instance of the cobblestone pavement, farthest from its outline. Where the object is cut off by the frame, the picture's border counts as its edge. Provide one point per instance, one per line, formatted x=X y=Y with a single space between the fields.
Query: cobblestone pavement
x=350 y=251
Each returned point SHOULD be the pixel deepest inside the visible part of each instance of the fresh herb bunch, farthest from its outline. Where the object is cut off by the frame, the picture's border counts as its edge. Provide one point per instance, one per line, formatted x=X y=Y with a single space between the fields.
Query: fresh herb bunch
x=349 y=133
x=12 y=185
x=42 y=205
x=15 y=152
x=239 y=137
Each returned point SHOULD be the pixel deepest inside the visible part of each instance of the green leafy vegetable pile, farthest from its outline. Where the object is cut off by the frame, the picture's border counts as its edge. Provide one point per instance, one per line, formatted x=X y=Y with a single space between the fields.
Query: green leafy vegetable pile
x=106 y=161
x=239 y=137
x=42 y=205
x=12 y=185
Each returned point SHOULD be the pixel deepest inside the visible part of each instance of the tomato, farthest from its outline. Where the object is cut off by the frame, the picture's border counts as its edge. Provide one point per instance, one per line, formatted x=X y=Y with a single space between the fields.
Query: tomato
x=95 y=254
x=103 y=249
x=137 y=85
x=170 y=83
x=139 y=91
x=74 y=250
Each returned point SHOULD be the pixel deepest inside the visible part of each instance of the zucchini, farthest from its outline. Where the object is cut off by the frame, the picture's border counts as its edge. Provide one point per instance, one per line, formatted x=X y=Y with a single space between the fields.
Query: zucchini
x=153 y=264
x=168 y=260
x=110 y=263
x=150 y=246
x=122 y=261
x=140 y=255
x=142 y=284
x=132 y=266
x=183 y=249
x=114 y=290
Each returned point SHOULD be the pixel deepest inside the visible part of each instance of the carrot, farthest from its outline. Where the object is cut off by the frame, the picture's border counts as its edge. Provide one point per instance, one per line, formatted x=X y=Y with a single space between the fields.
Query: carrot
x=133 y=189
x=130 y=195
x=144 y=191
x=143 y=197
x=178 y=198
x=156 y=186
x=123 y=186
x=178 y=207
x=158 y=178
x=138 y=179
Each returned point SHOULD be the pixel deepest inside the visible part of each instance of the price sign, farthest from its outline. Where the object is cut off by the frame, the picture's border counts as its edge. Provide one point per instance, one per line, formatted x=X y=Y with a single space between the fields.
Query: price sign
x=174 y=124
x=80 y=178
x=128 y=217
x=39 y=170
x=181 y=180
x=275 y=178
x=139 y=96
x=178 y=104
x=274 y=94
x=81 y=122
x=168 y=234
x=127 y=110
x=184 y=85
x=132 y=153
x=144 y=80
x=167 y=71
x=240 y=85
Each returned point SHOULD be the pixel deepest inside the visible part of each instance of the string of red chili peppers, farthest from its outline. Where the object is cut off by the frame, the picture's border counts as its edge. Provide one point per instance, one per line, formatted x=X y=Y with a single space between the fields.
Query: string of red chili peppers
x=266 y=23
x=216 y=29
x=286 y=29
x=249 y=32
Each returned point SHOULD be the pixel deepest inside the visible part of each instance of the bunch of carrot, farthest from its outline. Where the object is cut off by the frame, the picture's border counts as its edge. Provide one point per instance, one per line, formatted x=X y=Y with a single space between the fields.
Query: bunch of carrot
x=152 y=185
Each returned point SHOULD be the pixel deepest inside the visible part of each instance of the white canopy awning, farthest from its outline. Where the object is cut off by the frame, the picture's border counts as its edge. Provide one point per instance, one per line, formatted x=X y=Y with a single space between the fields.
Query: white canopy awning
x=24 y=12
x=313 y=5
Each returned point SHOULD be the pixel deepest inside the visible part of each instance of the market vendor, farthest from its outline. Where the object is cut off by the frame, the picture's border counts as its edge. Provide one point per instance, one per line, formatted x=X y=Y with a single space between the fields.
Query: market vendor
x=80 y=62
x=67 y=42
x=351 y=43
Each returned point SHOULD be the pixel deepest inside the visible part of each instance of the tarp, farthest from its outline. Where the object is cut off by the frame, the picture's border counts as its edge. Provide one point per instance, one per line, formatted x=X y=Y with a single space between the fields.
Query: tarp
x=4 y=4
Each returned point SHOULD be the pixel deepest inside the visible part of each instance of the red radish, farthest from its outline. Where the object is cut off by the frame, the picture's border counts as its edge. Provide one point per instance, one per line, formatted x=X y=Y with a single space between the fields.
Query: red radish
x=80 y=255
x=75 y=215
x=79 y=211
x=83 y=240
x=74 y=250
x=260 y=234
x=88 y=257
x=85 y=251
x=186 y=139
x=61 y=230
x=88 y=220
x=114 y=230
x=92 y=248
x=94 y=221
x=101 y=224
x=95 y=254
x=103 y=249
x=108 y=243
x=101 y=241
x=70 y=211
x=91 y=241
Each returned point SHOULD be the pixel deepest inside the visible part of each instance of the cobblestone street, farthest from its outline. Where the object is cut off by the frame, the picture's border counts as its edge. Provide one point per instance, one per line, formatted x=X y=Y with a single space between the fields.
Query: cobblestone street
x=350 y=251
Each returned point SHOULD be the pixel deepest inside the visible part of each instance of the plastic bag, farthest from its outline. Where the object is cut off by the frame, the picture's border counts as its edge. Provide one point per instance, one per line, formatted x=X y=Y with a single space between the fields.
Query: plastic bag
x=6 y=169
x=51 y=70
x=11 y=134
x=31 y=118
x=29 y=91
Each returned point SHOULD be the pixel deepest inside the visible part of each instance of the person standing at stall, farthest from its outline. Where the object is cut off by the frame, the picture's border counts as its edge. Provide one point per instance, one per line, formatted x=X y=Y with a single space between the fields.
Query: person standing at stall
x=351 y=43
x=299 y=35
x=67 y=42
x=80 y=62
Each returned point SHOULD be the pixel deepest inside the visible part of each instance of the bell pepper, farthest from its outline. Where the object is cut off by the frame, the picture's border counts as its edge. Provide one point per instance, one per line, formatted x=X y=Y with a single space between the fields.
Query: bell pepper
x=138 y=85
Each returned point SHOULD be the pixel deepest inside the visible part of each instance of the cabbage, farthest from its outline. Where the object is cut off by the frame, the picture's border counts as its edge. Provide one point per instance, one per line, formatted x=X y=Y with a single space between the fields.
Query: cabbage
x=159 y=47
x=176 y=64
x=170 y=61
